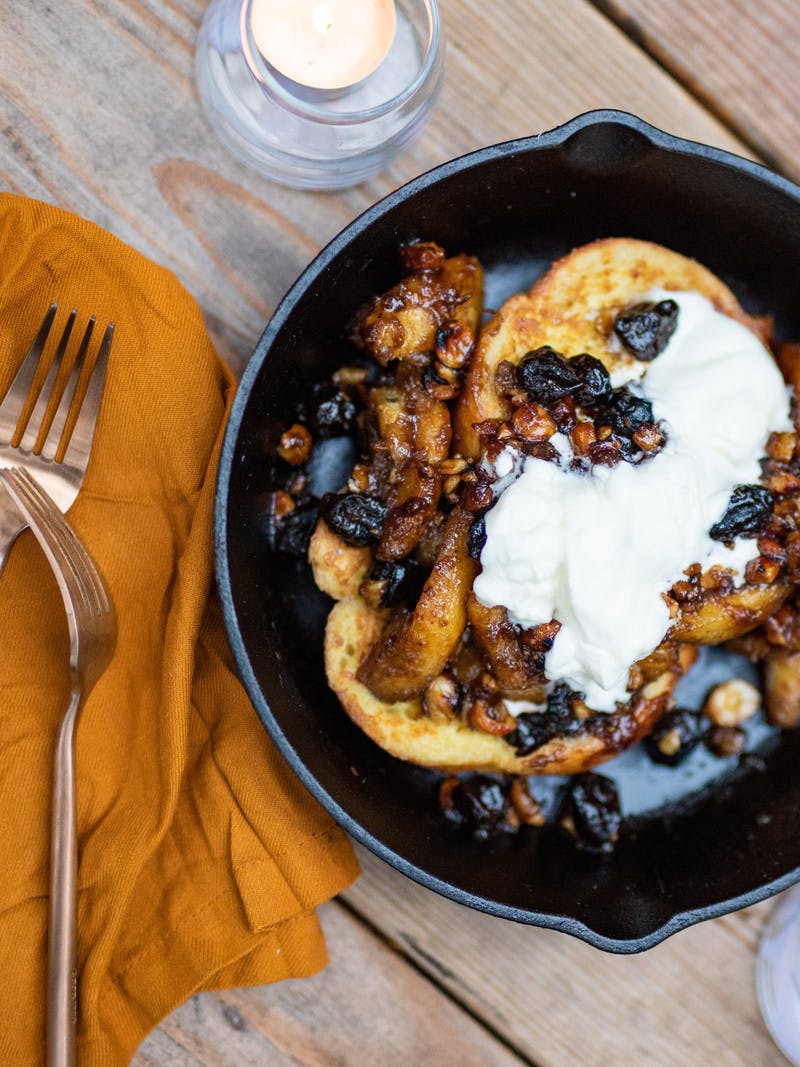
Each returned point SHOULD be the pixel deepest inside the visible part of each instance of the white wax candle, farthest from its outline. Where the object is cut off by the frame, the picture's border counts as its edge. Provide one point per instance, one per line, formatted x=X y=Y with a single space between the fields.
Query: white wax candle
x=323 y=44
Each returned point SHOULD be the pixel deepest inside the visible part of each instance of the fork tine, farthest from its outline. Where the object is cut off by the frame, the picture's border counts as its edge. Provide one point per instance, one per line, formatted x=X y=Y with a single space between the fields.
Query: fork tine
x=38 y=422
x=31 y=402
x=16 y=395
x=63 y=565
x=80 y=559
x=59 y=417
x=77 y=432
x=45 y=519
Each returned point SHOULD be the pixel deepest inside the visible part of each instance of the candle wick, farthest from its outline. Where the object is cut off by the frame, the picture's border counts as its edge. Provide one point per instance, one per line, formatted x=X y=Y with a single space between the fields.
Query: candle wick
x=322 y=18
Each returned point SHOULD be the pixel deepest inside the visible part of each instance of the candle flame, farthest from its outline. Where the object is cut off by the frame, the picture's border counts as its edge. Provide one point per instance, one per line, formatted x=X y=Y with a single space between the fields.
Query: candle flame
x=322 y=18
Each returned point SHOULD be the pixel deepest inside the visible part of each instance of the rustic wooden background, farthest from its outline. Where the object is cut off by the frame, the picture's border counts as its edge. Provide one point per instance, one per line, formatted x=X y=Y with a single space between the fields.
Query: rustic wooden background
x=98 y=113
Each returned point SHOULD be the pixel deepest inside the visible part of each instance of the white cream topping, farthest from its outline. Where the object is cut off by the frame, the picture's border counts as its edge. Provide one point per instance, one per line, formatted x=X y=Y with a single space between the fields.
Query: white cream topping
x=596 y=550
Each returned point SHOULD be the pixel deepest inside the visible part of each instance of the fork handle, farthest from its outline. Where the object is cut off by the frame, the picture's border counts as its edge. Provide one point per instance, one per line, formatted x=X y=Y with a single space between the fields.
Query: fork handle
x=62 y=1009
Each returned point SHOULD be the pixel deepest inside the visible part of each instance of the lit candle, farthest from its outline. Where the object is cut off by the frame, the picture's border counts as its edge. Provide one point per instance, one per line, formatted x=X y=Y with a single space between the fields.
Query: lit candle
x=324 y=44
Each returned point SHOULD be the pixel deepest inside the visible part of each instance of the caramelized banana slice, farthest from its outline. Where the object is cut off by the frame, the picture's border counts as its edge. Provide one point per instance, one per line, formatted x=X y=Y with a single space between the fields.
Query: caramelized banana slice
x=402 y=323
x=418 y=645
x=415 y=429
x=721 y=617
x=517 y=665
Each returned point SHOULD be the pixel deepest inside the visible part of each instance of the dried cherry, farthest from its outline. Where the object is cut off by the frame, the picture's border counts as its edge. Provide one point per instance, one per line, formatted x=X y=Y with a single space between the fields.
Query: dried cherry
x=645 y=329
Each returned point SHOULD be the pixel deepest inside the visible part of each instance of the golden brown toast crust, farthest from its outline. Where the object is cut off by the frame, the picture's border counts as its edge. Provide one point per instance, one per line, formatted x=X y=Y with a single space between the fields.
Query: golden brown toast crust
x=571 y=308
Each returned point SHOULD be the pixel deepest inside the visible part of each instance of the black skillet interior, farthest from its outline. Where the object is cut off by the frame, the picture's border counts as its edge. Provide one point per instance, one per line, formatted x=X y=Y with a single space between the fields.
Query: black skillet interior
x=516 y=206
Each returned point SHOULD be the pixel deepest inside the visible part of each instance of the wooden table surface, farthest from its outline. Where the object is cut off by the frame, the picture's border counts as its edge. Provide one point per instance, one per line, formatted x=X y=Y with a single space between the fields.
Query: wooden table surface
x=98 y=113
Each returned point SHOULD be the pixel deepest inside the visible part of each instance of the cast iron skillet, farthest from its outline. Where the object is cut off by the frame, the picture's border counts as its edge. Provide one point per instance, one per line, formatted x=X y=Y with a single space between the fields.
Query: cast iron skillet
x=515 y=205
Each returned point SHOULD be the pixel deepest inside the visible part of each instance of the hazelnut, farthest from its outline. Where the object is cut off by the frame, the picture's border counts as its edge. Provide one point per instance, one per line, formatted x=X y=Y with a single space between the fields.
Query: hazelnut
x=527 y=809
x=732 y=703
x=441 y=698
x=532 y=422
x=762 y=571
x=295 y=445
x=490 y=718
x=781 y=446
x=582 y=437
x=350 y=375
x=725 y=741
x=647 y=437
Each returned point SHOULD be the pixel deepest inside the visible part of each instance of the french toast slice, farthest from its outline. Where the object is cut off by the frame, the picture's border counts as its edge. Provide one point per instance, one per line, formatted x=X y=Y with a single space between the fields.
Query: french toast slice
x=405 y=730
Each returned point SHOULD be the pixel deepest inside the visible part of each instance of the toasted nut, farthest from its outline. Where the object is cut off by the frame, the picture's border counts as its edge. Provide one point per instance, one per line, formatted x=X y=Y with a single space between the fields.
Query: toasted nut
x=359 y=480
x=451 y=483
x=504 y=431
x=540 y=638
x=783 y=483
x=422 y=255
x=682 y=591
x=781 y=446
x=454 y=345
x=694 y=570
x=453 y=465
x=295 y=445
x=441 y=698
x=670 y=743
x=647 y=437
x=717 y=578
x=604 y=432
x=478 y=496
x=350 y=375
x=532 y=422
x=762 y=571
x=771 y=548
x=732 y=703
x=282 y=503
x=527 y=809
x=778 y=627
x=582 y=437
x=490 y=718
x=725 y=741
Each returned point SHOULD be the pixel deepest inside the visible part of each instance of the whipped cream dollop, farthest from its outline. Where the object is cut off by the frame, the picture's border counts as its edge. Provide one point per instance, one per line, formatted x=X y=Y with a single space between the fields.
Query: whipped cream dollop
x=595 y=550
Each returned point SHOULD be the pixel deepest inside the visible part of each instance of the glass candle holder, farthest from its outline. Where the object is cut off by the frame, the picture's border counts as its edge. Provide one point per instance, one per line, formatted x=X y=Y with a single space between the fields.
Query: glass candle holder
x=778 y=975
x=316 y=138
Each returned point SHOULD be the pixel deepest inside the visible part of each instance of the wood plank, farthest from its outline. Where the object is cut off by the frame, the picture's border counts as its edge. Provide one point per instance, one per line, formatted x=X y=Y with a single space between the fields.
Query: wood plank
x=690 y=1000
x=119 y=136
x=367 y=1007
x=739 y=58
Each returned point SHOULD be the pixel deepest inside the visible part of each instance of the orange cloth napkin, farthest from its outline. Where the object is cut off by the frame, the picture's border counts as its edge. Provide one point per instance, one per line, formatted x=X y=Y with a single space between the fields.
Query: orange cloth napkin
x=202 y=857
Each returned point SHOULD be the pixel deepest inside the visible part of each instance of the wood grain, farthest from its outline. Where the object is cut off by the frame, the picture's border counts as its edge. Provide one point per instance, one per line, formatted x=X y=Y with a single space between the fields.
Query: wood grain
x=740 y=58
x=689 y=1001
x=367 y=1007
x=118 y=135
x=98 y=113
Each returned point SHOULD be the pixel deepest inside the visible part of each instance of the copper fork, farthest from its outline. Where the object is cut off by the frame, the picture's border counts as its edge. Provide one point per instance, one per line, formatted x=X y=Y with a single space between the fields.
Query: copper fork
x=48 y=415
x=92 y=637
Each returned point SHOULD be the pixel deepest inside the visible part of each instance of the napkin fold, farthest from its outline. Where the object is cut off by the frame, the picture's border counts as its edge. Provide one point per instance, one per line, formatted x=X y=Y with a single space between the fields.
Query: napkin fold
x=202 y=858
